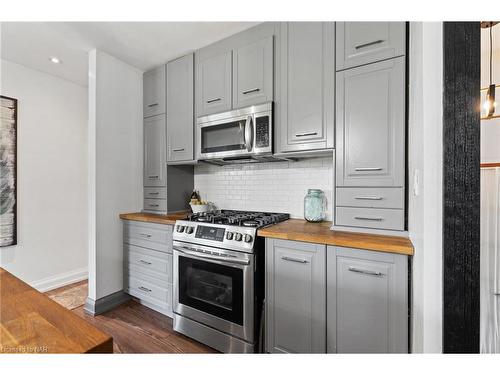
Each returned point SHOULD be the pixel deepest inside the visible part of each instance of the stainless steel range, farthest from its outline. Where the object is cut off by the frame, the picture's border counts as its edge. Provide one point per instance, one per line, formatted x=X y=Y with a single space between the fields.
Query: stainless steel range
x=219 y=278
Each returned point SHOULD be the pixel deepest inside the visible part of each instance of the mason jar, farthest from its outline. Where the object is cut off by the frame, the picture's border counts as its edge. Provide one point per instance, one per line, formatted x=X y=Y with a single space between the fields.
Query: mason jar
x=315 y=205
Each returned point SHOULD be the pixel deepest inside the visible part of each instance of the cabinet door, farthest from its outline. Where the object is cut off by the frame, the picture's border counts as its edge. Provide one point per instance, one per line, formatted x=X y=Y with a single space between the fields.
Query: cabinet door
x=367 y=310
x=213 y=84
x=180 y=102
x=253 y=73
x=360 y=43
x=305 y=94
x=155 y=151
x=295 y=297
x=371 y=125
x=154 y=92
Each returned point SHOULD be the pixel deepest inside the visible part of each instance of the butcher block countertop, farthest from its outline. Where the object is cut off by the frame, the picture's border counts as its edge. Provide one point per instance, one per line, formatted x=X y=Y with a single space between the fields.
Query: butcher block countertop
x=30 y=322
x=168 y=219
x=301 y=230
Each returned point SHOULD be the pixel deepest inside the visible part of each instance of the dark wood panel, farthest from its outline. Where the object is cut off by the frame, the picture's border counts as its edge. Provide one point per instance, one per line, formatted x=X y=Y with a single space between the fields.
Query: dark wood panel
x=461 y=187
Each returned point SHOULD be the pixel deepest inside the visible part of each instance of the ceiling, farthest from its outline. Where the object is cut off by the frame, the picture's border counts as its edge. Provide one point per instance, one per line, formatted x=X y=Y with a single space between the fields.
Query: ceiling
x=140 y=44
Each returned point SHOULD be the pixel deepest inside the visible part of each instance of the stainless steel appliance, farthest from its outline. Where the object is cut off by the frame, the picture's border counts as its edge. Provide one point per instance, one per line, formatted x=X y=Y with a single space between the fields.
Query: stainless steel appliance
x=219 y=278
x=239 y=136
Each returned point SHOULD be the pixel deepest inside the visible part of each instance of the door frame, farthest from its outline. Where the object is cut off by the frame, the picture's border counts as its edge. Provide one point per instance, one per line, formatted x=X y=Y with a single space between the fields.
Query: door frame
x=461 y=186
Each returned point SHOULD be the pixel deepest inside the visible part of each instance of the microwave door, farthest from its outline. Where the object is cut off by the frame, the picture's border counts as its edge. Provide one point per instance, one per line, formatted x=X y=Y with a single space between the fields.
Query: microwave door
x=224 y=139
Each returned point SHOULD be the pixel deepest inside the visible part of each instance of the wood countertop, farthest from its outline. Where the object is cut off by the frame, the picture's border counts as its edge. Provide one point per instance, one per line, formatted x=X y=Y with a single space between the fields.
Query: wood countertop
x=30 y=322
x=301 y=230
x=168 y=219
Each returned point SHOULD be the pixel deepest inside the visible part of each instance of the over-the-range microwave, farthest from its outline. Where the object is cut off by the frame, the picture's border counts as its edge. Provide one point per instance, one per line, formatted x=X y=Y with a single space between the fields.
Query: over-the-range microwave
x=238 y=136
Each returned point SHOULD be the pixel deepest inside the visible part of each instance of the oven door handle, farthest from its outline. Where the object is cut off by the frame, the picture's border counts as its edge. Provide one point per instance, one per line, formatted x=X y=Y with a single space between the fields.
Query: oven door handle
x=196 y=254
x=249 y=133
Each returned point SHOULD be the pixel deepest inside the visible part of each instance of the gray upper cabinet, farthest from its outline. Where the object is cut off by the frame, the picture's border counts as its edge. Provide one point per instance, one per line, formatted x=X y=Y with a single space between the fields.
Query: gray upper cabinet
x=154 y=92
x=367 y=301
x=305 y=86
x=213 y=83
x=155 y=151
x=295 y=297
x=370 y=125
x=360 y=43
x=180 y=111
x=253 y=73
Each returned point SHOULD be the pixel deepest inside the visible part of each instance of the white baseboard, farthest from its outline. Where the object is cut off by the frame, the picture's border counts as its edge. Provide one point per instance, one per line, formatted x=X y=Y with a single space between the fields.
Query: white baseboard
x=60 y=280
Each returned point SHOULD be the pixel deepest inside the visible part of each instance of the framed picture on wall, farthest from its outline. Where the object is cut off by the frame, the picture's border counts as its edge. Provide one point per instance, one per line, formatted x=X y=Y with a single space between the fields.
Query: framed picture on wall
x=8 y=171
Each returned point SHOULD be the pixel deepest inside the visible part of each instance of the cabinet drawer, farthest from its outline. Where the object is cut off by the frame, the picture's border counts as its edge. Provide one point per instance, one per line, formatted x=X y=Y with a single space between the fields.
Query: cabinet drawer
x=155 y=192
x=149 y=260
x=151 y=236
x=377 y=218
x=370 y=197
x=159 y=205
x=140 y=288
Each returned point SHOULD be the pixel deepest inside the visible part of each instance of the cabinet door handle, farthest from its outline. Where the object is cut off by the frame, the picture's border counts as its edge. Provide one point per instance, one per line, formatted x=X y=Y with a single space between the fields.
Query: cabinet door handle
x=178 y=149
x=369 y=218
x=250 y=91
x=368 y=169
x=365 y=272
x=152 y=105
x=154 y=193
x=369 y=44
x=145 y=262
x=295 y=260
x=153 y=177
x=213 y=100
x=145 y=235
x=305 y=134
x=153 y=205
x=144 y=289
x=369 y=198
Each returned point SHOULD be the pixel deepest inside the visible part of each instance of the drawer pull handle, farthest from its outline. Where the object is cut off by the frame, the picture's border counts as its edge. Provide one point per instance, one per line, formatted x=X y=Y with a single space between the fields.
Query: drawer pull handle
x=153 y=177
x=305 y=134
x=369 y=198
x=369 y=218
x=250 y=91
x=365 y=272
x=145 y=235
x=154 y=193
x=213 y=100
x=145 y=262
x=178 y=149
x=295 y=260
x=144 y=289
x=368 y=169
x=369 y=44
x=153 y=205
x=152 y=105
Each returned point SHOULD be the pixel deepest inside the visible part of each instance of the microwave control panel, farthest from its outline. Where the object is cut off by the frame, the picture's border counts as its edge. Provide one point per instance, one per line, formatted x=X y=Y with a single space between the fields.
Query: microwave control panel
x=262 y=131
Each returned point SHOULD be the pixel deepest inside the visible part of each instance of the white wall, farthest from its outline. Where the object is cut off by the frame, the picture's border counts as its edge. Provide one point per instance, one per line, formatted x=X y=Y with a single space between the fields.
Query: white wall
x=115 y=165
x=490 y=129
x=51 y=180
x=425 y=184
x=276 y=186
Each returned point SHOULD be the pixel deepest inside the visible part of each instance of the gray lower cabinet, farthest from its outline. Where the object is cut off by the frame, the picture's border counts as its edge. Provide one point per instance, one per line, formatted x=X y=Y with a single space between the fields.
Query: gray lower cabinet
x=213 y=83
x=367 y=294
x=253 y=73
x=180 y=109
x=371 y=125
x=155 y=151
x=154 y=92
x=360 y=43
x=295 y=297
x=147 y=264
x=305 y=86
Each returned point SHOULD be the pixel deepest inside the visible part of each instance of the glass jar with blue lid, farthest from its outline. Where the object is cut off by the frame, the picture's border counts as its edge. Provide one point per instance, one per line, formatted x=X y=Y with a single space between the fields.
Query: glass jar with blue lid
x=315 y=205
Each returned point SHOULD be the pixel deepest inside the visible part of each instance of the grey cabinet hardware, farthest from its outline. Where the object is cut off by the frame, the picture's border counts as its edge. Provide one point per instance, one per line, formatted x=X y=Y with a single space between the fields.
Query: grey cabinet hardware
x=295 y=260
x=369 y=44
x=144 y=289
x=214 y=100
x=365 y=272
x=152 y=105
x=368 y=218
x=154 y=92
x=145 y=235
x=305 y=86
x=178 y=149
x=145 y=262
x=154 y=205
x=369 y=198
x=154 y=193
x=368 y=169
x=250 y=91
x=153 y=177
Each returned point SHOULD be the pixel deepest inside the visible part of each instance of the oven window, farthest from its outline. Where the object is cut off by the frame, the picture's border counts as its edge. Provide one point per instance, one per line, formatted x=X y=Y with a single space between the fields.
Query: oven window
x=212 y=288
x=223 y=137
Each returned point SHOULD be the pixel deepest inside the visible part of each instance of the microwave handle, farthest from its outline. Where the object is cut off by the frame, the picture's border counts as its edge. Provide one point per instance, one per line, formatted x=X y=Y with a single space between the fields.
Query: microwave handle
x=249 y=134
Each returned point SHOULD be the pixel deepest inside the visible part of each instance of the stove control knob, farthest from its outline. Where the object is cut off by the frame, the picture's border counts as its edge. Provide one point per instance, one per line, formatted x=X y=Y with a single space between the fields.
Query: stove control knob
x=229 y=235
x=180 y=228
x=189 y=230
x=237 y=236
x=248 y=238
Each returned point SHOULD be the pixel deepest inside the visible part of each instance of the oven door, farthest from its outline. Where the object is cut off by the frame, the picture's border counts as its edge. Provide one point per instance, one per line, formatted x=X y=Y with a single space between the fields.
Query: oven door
x=215 y=287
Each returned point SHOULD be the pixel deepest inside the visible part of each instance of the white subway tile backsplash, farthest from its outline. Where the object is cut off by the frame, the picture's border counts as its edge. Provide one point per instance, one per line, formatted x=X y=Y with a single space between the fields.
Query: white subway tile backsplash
x=277 y=186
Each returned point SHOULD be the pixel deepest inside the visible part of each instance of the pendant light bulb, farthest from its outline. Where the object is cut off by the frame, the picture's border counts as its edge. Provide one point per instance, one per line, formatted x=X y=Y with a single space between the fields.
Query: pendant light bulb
x=490 y=103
